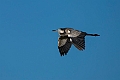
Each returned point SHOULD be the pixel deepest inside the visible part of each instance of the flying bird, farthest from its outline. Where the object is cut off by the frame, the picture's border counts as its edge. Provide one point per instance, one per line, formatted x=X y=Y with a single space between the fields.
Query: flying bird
x=69 y=36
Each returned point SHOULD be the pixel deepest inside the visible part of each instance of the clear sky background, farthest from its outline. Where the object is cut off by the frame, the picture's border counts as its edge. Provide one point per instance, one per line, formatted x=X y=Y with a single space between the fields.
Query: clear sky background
x=28 y=47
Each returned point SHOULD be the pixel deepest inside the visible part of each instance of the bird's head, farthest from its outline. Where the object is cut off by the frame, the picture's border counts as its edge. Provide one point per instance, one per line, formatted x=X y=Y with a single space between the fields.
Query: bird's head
x=60 y=30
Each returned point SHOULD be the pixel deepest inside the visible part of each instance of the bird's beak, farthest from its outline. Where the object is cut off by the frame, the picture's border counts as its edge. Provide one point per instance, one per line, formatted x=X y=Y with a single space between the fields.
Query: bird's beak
x=54 y=30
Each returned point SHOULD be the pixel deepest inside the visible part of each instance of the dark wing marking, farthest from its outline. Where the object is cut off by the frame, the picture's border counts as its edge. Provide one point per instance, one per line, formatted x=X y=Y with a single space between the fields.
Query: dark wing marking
x=64 y=45
x=79 y=41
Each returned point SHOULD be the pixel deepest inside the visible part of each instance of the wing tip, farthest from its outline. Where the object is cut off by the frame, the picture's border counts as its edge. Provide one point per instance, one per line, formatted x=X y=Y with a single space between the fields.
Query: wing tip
x=63 y=54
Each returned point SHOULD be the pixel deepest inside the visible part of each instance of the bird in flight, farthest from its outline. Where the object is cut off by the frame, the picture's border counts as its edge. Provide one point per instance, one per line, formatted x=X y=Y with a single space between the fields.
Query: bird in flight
x=69 y=36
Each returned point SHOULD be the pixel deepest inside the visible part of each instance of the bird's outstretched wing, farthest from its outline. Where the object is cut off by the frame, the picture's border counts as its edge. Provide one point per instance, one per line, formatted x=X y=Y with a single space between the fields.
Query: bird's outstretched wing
x=79 y=40
x=64 y=45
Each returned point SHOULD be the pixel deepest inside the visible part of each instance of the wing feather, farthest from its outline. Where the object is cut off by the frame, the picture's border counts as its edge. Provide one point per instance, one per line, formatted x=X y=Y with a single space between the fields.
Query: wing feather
x=79 y=41
x=64 y=45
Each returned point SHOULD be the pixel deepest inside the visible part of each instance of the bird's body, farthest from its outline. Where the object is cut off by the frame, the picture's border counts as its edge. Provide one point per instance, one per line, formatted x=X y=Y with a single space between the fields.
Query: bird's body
x=69 y=36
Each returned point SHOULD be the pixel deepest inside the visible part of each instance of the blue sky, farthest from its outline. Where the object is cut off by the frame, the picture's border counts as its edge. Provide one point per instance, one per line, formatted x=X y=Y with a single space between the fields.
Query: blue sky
x=28 y=47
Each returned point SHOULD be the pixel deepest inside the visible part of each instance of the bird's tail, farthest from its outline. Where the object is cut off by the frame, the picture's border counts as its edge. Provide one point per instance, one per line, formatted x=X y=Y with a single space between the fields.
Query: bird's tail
x=92 y=34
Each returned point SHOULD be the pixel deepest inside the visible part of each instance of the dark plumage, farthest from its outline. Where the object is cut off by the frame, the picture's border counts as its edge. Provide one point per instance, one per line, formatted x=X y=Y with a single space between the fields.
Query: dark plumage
x=69 y=36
